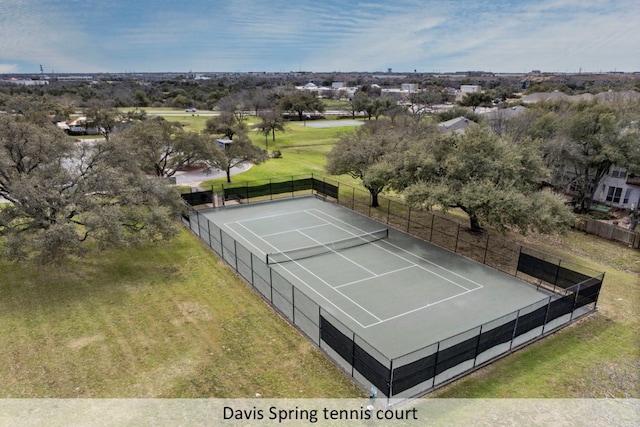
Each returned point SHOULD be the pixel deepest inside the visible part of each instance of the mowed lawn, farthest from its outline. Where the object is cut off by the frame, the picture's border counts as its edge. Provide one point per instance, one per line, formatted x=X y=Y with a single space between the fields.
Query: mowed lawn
x=167 y=320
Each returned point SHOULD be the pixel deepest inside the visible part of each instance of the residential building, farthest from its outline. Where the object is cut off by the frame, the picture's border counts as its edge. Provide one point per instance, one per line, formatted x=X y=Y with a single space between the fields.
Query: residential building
x=619 y=189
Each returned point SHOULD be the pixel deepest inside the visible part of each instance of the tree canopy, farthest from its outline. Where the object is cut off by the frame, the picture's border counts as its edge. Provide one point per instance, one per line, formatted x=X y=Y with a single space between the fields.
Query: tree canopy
x=237 y=152
x=65 y=195
x=162 y=148
x=591 y=138
x=302 y=102
x=367 y=154
x=493 y=180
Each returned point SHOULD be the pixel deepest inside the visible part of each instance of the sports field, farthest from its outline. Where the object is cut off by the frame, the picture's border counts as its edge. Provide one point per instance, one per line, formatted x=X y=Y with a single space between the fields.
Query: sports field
x=398 y=293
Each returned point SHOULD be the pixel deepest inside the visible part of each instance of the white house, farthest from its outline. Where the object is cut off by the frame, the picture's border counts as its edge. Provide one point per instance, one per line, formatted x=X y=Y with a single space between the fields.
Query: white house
x=619 y=189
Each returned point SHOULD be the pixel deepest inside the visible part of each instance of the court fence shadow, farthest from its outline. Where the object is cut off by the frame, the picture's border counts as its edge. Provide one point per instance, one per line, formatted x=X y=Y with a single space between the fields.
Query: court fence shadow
x=573 y=289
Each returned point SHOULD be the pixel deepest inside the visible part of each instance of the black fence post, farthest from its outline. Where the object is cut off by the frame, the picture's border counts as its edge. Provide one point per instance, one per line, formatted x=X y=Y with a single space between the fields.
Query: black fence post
x=390 y=379
x=353 y=199
x=486 y=250
x=546 y=316
x=475 y=356
x=555 y=280
x=353 y=354
x=515 y=328
x=409 y=220
x=432 y=223
x=388 y=210
x=457 y=239
x=435 y=365
x=319 y=326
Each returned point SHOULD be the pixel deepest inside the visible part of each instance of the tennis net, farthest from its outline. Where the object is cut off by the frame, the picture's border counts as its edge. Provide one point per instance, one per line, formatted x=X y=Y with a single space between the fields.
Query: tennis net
x=322 y=248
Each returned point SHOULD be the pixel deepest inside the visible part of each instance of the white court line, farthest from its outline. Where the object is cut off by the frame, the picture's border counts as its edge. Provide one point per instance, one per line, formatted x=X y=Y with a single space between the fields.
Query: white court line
x=478 y=285
x=420 y=308
x=268 y=216
x=302 y=281
x=376 y=276
x=341 y=255
x=380 y=321
x=293 y=231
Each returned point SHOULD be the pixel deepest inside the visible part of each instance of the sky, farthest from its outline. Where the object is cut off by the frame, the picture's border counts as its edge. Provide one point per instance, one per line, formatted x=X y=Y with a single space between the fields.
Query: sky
x=503 y=36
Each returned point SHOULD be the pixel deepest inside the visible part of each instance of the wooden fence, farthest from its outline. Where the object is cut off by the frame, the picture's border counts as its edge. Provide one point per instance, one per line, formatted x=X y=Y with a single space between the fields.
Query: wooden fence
x=609 y=231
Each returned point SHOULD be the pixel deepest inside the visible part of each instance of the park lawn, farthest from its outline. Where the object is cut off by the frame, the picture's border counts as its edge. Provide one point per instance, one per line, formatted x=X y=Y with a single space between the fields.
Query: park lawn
x=303 y=148
x=166 y=320
x=190 y=122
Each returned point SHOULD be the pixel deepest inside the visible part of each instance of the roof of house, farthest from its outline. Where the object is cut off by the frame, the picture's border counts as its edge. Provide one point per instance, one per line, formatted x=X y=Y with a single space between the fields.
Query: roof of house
x=459 y=124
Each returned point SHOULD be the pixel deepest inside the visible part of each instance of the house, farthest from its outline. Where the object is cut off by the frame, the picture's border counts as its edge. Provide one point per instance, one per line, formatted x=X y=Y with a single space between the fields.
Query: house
x=78 y=126
x=619 y=189
x=224 y=143
x=457 y=125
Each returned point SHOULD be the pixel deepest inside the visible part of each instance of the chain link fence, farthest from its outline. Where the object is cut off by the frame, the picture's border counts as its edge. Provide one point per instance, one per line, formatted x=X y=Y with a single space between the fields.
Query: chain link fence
x=575 y=289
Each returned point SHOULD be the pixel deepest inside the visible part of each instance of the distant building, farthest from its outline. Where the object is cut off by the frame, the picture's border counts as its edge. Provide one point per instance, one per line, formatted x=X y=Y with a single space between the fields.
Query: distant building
x=470 y=88
x=408 y=87
x=457 y=125
x=26 y=82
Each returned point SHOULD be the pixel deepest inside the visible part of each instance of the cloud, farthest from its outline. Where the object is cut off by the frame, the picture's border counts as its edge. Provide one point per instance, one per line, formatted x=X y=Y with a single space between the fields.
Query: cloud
x=253 y=35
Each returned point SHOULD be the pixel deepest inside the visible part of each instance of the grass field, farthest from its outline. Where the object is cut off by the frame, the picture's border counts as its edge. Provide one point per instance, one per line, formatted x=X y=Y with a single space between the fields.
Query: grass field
x=163 y=321
x=173 y=321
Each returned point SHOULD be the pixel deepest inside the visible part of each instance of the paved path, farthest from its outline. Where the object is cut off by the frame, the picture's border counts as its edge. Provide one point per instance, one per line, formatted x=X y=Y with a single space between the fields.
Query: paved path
x=193 y=179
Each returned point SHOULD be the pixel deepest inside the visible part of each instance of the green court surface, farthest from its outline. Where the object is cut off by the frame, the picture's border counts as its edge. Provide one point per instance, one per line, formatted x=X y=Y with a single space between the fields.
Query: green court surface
x=399 y=294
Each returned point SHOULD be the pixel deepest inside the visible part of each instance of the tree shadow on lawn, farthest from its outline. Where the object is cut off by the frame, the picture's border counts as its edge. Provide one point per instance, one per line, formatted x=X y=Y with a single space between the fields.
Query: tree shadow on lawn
x=101 y=276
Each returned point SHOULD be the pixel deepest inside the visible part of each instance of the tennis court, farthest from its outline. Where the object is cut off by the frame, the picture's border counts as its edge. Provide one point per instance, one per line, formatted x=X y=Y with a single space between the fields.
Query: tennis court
x=396 y=292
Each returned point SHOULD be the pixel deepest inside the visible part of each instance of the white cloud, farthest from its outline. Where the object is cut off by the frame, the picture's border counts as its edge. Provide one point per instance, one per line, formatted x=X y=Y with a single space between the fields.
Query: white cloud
x=247 y=35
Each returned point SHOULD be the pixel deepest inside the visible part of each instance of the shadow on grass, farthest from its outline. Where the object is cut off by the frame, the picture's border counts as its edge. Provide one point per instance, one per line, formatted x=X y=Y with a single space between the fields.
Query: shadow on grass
x=107 y=275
